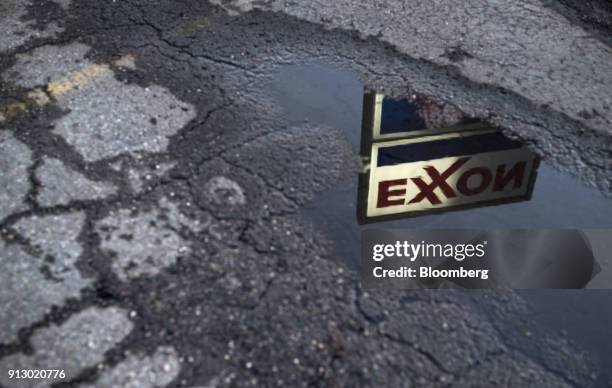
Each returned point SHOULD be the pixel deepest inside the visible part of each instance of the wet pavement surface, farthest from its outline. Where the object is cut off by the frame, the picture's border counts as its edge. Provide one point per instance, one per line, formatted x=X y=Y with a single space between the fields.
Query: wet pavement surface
x=179 y=181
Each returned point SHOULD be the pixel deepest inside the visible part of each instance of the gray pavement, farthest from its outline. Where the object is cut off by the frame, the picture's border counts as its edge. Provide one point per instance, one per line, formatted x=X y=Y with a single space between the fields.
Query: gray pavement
x=152 y=189
x=15 y=159
x=60 y=185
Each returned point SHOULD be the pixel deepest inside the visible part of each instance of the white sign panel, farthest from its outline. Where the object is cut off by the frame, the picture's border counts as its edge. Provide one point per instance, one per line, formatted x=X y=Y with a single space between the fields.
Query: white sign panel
x=444 y=172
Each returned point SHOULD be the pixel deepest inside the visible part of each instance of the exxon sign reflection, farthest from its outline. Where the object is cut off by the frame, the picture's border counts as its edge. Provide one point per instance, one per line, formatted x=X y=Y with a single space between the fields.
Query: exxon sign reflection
x=452 y=171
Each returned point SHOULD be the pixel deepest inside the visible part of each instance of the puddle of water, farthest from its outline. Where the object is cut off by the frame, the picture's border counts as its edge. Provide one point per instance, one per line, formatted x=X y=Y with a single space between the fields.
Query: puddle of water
x=320 y=94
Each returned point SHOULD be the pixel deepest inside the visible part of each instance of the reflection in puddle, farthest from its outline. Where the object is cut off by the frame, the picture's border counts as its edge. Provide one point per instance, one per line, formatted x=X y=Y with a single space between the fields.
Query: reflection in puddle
x=331 y=97
x=410 y=170
x=386 y=117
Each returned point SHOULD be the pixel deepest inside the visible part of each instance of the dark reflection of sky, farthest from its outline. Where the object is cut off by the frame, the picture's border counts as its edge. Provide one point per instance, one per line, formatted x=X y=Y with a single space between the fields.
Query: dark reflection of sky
x=323 y=95
x=399 y=116
x=415 y=152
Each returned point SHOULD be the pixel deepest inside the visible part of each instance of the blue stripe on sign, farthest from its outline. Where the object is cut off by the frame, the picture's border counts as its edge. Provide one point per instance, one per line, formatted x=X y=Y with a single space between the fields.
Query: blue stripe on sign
x=469 y=145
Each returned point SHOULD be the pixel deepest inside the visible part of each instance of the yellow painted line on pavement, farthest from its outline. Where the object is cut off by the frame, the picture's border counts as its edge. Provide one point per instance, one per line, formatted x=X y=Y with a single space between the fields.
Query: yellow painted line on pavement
x=39 y=97
x=78 y=80
x=10 y=110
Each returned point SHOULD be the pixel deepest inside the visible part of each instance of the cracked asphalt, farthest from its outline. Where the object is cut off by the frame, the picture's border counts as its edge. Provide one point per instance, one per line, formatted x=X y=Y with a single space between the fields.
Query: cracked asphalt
x=152 y=188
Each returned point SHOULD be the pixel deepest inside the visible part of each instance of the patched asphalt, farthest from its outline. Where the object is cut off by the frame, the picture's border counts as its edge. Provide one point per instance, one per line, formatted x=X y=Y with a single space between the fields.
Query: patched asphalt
x=152 y=190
